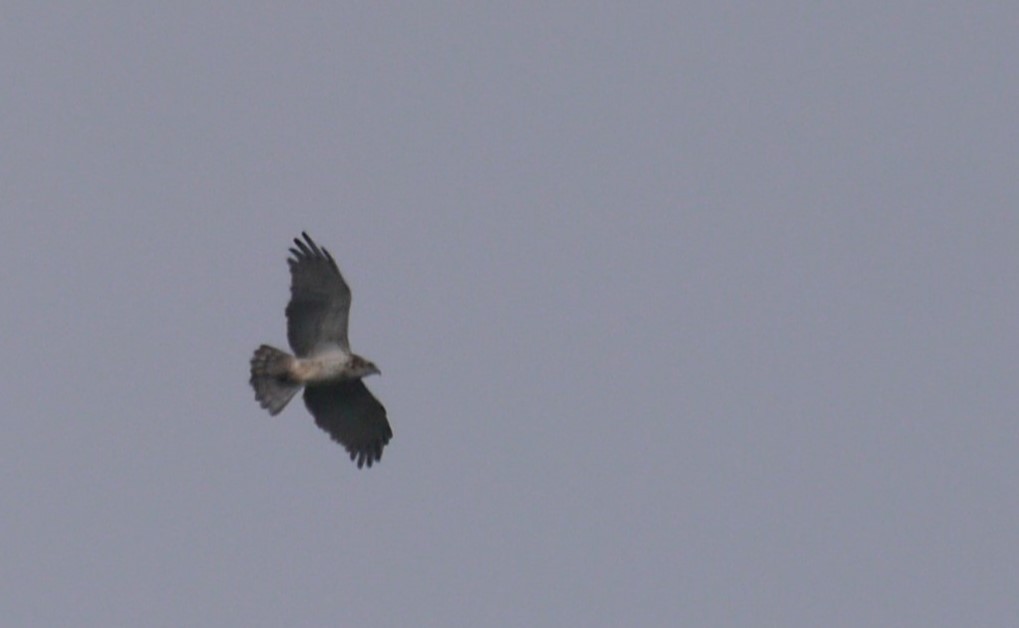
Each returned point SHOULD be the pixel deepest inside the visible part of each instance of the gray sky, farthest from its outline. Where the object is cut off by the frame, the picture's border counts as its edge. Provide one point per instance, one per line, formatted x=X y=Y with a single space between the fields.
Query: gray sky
x=689 y=315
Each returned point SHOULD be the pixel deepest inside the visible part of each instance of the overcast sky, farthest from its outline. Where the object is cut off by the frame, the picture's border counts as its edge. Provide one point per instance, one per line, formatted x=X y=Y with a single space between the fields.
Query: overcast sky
x=695 y=314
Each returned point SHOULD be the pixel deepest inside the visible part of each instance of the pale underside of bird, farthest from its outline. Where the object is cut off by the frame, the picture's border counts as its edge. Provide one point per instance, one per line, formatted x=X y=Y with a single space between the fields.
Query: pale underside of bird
x=322 y=364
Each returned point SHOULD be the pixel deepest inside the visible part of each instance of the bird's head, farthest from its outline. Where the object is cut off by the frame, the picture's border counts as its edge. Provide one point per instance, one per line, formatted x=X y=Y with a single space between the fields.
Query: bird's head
x=363 y=368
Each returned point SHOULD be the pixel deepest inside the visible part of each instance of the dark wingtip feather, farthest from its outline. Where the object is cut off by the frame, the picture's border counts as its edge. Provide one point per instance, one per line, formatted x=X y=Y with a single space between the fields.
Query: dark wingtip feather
x=308 y=249
x=305 y=251
x=310 y=244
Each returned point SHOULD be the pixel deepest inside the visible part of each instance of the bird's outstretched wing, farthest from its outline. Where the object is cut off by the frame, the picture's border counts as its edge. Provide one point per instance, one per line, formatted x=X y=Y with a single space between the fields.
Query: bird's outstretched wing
x=352 y=416
x=319 y=300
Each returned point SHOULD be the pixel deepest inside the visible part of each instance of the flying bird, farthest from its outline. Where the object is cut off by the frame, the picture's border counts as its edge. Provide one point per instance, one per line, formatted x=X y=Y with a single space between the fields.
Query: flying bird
x=323 y=363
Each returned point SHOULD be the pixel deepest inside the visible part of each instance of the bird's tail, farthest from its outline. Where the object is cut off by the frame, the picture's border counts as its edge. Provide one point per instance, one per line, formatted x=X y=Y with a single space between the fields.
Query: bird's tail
x=269 y=377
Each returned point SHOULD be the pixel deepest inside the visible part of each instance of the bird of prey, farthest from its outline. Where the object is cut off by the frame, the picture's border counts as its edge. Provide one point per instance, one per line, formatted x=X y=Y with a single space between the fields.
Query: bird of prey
x=322 y=362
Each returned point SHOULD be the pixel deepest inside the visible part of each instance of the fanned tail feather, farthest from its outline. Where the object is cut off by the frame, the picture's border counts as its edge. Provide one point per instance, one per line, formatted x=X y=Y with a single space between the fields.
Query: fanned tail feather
x=269 y=378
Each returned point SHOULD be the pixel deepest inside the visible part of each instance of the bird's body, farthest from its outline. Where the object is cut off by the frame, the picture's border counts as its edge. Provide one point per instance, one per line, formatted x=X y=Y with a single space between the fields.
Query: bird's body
x=323 y=363
x=327 y=367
